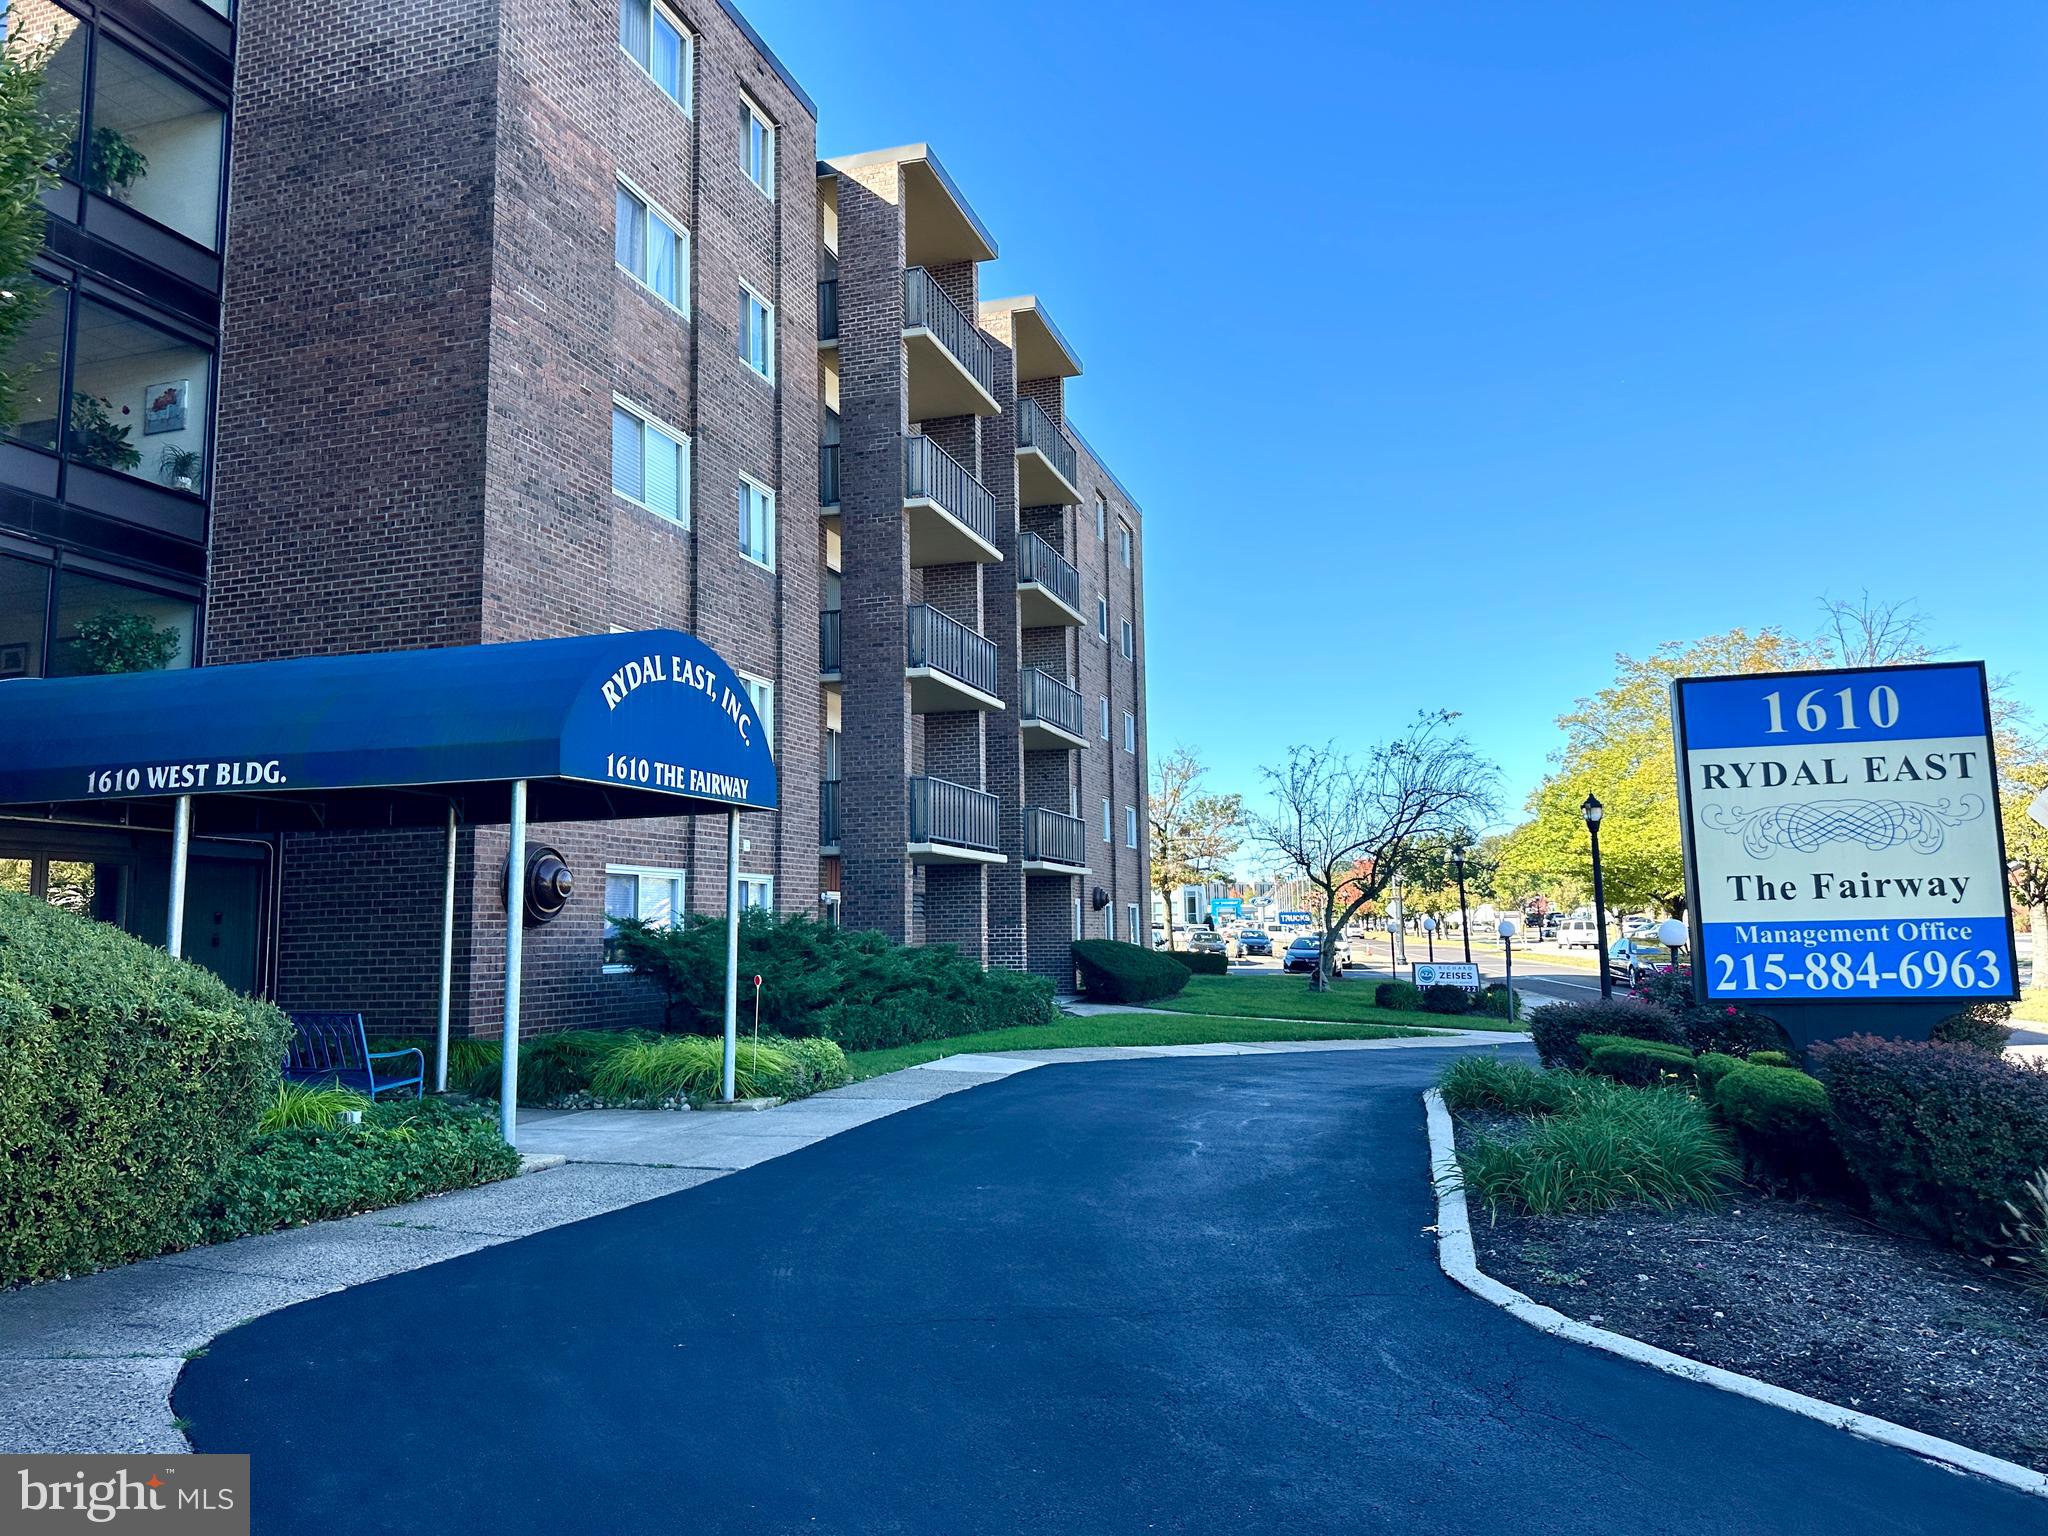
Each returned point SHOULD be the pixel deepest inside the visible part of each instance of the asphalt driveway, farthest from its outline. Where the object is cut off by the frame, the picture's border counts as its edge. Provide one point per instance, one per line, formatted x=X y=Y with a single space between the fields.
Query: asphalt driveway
x=1189 y=1295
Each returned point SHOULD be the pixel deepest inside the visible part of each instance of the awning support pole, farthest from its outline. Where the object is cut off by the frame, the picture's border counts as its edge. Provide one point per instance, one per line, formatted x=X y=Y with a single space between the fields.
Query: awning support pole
x=447 y=962
x=181 y=853
x=515 y=938
x=732 y=949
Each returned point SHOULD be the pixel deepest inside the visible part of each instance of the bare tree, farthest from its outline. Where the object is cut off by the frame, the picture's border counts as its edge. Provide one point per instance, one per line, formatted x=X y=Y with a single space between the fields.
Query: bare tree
x=1865 y=632
x=1194 y=833
x=1349 y=825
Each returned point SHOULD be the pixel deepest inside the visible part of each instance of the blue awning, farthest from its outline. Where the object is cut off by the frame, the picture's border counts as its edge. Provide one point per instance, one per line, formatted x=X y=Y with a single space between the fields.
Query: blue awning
x=601 y=726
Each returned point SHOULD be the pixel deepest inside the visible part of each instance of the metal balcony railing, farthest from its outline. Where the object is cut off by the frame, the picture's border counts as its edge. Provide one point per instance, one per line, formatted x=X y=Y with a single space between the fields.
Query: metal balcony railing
x=828 y=813
x=932 y=474
x=940 y=642
x=828 y=641
x=1036 y=429
x=1045 y=698
x=1052 y=837
x=944 y=812
x=828 y=309
x=828 y=474
x=1038 y=561
x=926 y=305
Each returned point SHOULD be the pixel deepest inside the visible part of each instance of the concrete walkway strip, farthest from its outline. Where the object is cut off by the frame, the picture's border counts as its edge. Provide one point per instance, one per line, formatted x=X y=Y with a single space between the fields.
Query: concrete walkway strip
x=1455 y=1253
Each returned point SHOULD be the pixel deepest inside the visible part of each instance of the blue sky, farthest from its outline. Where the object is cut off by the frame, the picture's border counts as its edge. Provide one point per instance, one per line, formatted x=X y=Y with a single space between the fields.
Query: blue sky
x=1452 y=348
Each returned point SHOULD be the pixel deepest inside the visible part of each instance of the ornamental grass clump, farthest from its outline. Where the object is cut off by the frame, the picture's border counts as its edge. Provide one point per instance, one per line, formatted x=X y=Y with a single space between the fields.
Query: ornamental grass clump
x=1487 y=1083
x=297 y=1104
x=686 y=1068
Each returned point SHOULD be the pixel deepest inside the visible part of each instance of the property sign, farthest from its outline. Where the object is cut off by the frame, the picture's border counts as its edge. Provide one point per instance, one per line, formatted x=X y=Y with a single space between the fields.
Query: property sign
x=1296 y=919
x=1226 y=906
x=1842 y=835
x=1447 y=973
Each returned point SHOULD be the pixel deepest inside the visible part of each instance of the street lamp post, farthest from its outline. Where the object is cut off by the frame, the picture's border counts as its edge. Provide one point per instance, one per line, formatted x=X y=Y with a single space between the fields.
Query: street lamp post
x=1464 y=922
x=1592 y=810
x=1508 y=928
x=1429 y=932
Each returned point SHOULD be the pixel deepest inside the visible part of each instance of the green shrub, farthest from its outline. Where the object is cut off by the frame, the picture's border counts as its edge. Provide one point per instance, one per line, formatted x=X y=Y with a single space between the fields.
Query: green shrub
x=1981 y=1026
x=1639 y=1063
x=1494 y=1002
x=1476 y=1082
x=1942 y=1136
x=1403 y=995
x=309 y=1104
x=1710 y=1068
x=1723 y=1028
x=551 y=1067
x=1556 y=1028
x=1200 y=963
x=1774 y=1059
x=130 y=1080
x=1781 y=1123
x=797 y=959
x=403 y=1150
x=1115 y=972
x=1610 y=1146
x=814 y=1066
x=1442 y=997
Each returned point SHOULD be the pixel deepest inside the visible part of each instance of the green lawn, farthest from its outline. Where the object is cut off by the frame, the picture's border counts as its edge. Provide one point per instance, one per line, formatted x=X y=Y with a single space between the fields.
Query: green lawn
x=1134 y=1029
x=2032 y=1008
x=1287 y=997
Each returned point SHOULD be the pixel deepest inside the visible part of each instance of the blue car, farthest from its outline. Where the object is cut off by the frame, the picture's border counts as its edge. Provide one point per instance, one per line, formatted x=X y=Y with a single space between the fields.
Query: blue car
x=1254 y=941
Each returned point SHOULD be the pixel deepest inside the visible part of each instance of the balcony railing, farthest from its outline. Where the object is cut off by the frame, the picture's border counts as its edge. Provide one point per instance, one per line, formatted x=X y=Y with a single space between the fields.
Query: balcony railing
x=1053 y=838
x=932 y=474
x=1038 y=561
x=1036 y=429
x=944 y=812
x=940 y=642
x=926 y=305
x=828 y=641
x=828 y=474
x=828 y=813
x=828 y=309
x=1045 y=699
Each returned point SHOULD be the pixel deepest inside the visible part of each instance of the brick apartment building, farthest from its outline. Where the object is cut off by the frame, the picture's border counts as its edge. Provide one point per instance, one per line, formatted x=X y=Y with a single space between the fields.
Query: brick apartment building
x=524 y=320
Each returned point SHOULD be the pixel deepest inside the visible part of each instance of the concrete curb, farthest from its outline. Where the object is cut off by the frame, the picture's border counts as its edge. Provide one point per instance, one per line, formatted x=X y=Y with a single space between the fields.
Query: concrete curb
x=1455 y=1254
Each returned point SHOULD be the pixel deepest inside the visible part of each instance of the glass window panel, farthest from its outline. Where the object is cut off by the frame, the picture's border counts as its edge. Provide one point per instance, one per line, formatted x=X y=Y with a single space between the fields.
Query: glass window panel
x=621 y=896
x=33 y=27
x=14 y=876
x=24 y=605
x=664 y=474
x=139 y=400
x=156 y=146
x=661 y=259
x=629 y=476
x=629 y=234
x=108 y=626
x=633 y=32
x=657 y=901
x=32 y=373
x=667 y=62
x=85 y=889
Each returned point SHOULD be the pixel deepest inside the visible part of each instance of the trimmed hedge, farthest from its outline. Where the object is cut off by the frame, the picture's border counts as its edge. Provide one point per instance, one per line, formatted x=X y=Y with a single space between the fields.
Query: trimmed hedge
x=1115 y=972
x=1442 y=997
x=1204 y=963
x=1402 y=995
x=1718 y=1027
x=1781 y=1123
x=1943 y=1136
x=127 y=1080
x=1773 y=1059
x=1639 y=1063
x=1981 y=1026
x=1710 y=1067
x=1556 y=1028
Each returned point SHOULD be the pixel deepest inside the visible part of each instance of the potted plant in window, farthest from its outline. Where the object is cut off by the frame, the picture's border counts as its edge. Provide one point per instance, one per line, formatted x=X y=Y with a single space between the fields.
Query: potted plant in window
x=96 y=438
x=113 y=165
x=179 y=468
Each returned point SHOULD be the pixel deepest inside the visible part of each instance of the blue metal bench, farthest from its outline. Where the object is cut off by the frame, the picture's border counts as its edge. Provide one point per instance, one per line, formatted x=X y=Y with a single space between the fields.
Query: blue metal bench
x=335 y=1048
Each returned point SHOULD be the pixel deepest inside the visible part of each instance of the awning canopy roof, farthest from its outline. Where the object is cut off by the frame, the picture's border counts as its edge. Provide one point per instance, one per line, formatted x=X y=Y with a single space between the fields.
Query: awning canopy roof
x=601 y=726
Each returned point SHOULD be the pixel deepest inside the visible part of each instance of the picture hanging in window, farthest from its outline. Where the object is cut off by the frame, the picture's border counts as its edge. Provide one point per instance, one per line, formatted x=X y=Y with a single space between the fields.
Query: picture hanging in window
x=165 y=407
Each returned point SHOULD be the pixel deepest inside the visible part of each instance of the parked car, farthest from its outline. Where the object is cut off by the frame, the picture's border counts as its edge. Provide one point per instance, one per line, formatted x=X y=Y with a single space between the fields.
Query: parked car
x=1305 y=952
x=1207 y=941
x=1648 y=956
x=1578 y=933
x=1254 y=941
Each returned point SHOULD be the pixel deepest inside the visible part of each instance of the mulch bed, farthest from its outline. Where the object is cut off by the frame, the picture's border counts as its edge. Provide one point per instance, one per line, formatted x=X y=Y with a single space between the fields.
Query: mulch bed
x=1806 y=1296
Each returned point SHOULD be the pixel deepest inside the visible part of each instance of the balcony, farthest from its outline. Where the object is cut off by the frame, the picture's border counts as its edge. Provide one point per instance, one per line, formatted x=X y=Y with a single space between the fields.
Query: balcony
x=953 y=824
x=1049 y=713
x=950 y=667
x=1054 y=843
x=828 y=313
x=1048 y=467
x=1048 y=586
x=952 y=515
x=828 y=817
x=952 y=365
x=828 y=646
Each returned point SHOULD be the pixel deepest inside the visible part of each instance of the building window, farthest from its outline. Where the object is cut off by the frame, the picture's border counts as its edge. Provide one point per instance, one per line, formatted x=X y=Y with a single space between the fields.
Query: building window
x=757 y=333
x=1102 y=618
x=1129 y=639
x=1101 y=518
x=1131 y=920
x=155 y=146
x=1130 y=732
x=662 y=46
x=1109 y=922
x=757 y=523
x=757 y=893
x=1123 y=543
x=653 y=247
x=140 y=400
x=650 y=463
x=35 y=368
x=109 y=626
x=1105 y=717
x=761 y=694
x=757 y=146
x=1108 y=835
x=1077 y=917
x=652 y=896
x=1130 y=826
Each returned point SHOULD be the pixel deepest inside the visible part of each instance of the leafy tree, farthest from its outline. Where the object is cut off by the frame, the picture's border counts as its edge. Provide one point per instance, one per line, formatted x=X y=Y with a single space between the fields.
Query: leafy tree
x=1348 y=825
x=30 y=145
x=1194 y=833
x=114 y=641
x=2026 y=850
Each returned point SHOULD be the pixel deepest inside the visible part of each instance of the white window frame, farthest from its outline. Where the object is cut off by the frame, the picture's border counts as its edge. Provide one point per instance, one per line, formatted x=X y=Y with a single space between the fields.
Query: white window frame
x=681 y=302
x=1102 y=619
x=1131 y=919
x=687 y=102
x=766 y=885
x=767 y=493
x=685 y=477
x=1105 y=717
x=1130 y=732
x=761 y=694
x=751 y=108
x=678 y=912
x=1101 y=518
x=1109 y=921
x=1079 y=931
x=1108 y=821
x=1127 y=640
x=1130 y=826
x=768 y=310
x=1124 y=542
